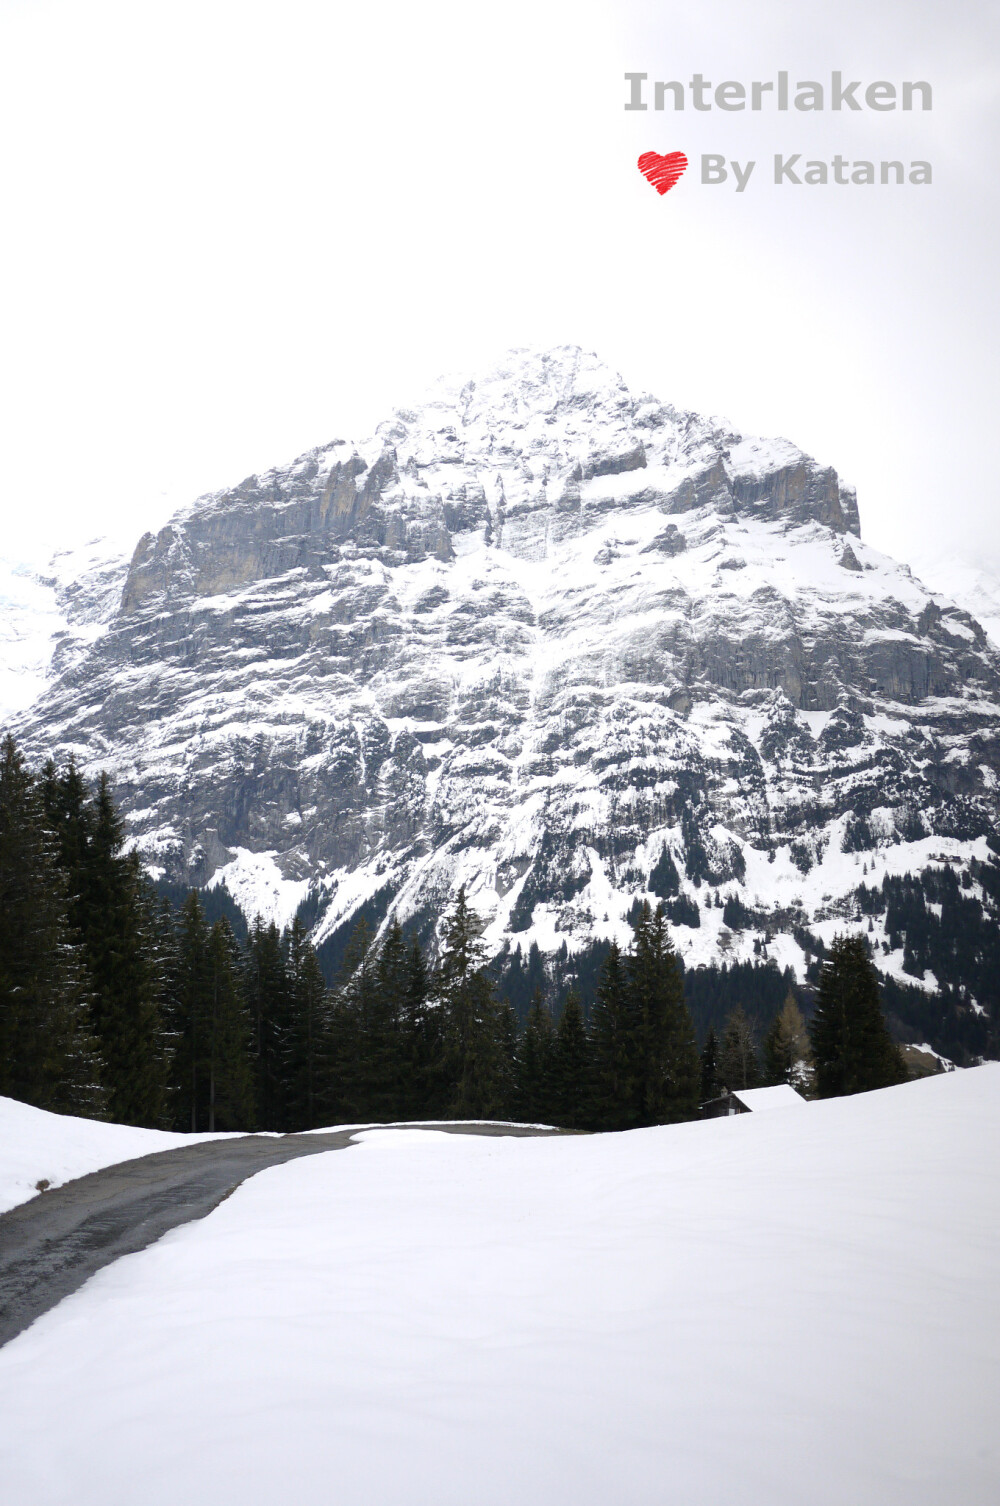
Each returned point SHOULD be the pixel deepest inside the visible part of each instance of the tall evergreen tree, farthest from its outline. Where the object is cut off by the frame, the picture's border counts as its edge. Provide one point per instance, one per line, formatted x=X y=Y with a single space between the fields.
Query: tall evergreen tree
x=647 y=1069
x=425 y=1092
x=369 y=1026
x=738 y=1065
x=68 y=811
x=571 y=1097
x=664 y=880
x=710 y=1085
x=851 y=1044
x=787 y=1050
x=472 y=1021
x=395 y=1022
x=112 y=913
x=227 y=1037
x=166 y=941
x=669 y=1068
x=266 y=992
x=475 y=1032
x=507 y=1039
x=212 y=1075
x=189 y=1007
x=48 y=1055
x=534 y=1074
x=352 y=1074
x=305 y=1034
x=614 y=1046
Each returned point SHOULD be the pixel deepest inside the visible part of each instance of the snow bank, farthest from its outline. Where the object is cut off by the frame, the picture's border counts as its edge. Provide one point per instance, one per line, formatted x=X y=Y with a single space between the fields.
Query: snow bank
x=36 y=1145
x=774 y=1309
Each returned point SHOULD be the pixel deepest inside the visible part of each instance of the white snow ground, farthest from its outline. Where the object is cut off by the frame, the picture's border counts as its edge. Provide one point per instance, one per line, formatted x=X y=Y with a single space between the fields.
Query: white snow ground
x=36 y=1145
x=776 y=1309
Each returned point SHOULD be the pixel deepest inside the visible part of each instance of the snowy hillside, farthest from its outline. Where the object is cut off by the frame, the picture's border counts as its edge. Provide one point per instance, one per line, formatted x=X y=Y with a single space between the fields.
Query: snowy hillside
x=975 y=586
x=49 y=616
x=529 y=637
x=783 y=1309
x=38 y=1146
x=29 y=620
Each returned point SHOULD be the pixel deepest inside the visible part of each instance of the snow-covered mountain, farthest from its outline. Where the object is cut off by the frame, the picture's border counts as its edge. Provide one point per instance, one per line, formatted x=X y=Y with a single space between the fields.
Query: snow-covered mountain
x=49 y=616
x=529 y=636
x=975 y=586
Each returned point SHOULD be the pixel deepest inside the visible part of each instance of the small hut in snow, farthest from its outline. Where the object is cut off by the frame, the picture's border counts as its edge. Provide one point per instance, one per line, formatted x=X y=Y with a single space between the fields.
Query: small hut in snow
x=752 y=1101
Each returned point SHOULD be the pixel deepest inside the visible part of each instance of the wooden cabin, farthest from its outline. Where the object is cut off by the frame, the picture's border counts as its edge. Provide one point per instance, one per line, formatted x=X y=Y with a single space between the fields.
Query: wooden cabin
x=752 y=1101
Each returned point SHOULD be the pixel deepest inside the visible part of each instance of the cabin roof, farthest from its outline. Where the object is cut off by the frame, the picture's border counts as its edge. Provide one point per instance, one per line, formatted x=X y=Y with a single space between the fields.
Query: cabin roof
x=782 y=1097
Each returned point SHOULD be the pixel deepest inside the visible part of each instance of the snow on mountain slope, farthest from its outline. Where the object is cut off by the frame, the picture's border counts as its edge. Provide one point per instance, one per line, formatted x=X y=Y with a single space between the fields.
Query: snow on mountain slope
x=975 y=586
x=50 y=616
x=793 y=1309
x=525 y=638
x=29 y=621
x=38 y=1146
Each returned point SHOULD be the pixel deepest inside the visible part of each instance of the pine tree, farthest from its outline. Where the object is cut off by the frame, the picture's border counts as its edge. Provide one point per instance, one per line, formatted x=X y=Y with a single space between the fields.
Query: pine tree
x=266 y=992
x=669 y=1068
x=710 y=1085
x=472 y=1024
x=48 y=1056
x=738 y=1065
x=571 y=1097
x=65 y=801
x=164 y=921
x=646 y=1064
x=535 y=976
x=613 y=1047
x=474 y=1049
x=664 y=880
x=189 y=1006
x=425 y=1095
x=535 y=1066
x=787 y=1051
x=394 y=1022
x=302 y=1046
x=371 y=1020
x=462 y=952
x=112 y=914
x=211 y=1068
x=227 y=1037
x=352 y=1074
x=507 y=1037
x=853 y=1049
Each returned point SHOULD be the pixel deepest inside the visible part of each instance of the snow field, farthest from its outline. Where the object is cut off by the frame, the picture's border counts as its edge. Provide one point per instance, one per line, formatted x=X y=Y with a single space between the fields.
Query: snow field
x=776 y=1309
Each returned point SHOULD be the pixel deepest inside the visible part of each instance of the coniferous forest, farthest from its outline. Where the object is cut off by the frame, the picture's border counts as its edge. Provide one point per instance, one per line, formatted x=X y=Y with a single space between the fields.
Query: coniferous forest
x=162 y=1008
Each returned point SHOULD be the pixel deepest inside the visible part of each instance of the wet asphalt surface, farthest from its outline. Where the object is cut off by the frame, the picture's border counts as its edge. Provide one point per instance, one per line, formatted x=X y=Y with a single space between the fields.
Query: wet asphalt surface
x=52 y=1244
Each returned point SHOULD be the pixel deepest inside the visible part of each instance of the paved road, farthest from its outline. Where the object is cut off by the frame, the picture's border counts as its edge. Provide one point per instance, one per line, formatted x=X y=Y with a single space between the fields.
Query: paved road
x=51 y=1245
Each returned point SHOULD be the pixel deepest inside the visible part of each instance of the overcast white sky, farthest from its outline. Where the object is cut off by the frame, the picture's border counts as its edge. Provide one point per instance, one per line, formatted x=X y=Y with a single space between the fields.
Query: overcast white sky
x=235 y=229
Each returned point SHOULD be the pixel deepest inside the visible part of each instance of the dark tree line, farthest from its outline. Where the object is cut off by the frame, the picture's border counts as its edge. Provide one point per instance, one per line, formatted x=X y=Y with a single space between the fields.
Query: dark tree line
x=115 y=1001
x=737 y=1058
x=846 y=1047
x=48 y=1052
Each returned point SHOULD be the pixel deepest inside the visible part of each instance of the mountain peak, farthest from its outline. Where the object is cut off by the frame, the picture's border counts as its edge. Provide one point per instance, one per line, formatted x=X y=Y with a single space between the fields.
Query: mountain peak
x=533 y=452
x=530 y=634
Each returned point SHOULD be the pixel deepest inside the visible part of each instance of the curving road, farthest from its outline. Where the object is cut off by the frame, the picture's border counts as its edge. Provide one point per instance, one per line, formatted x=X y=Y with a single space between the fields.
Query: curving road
x=51 y=1245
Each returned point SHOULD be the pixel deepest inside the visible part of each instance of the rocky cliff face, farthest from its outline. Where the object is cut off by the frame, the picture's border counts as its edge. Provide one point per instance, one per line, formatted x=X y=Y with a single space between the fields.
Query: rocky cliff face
x=527 y=637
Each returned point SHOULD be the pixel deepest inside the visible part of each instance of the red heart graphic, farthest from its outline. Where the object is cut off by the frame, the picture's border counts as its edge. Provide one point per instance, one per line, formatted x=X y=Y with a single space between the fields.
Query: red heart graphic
x=662 y=172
